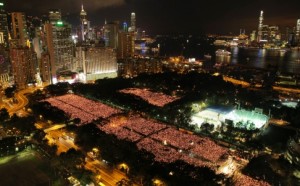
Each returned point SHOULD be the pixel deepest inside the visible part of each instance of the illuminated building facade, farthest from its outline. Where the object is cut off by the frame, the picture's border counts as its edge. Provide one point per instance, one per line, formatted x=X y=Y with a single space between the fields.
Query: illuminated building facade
x=260 y=26
x=125 y=27
x=84 y=25
x=132 y=22
x=4 y=67
x=298 y=31
x=3 y=26
x=96 y=63
x=135 y=66
x=19 y=28
x=111 y=30
x=54 y=16
x=45 y=68
x=125 y=45
x=59 y=47
x=24 y=66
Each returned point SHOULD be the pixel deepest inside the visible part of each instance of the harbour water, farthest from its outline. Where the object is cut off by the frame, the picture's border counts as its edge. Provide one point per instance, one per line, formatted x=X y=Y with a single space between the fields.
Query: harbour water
x=284 y=61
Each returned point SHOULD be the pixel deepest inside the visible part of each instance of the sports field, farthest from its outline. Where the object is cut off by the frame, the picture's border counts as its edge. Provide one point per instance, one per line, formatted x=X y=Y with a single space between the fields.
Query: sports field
x=25 y=168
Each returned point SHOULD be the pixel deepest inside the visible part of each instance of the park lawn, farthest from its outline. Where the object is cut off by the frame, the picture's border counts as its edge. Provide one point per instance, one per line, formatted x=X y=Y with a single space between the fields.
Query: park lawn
x=24 y=168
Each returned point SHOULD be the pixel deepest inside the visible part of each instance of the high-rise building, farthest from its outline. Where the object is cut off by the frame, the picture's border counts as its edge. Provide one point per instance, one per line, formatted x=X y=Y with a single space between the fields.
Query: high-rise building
x=60 y=48
x=298 y=31
x=260 y=26
x=125 y=45
x=253 y=36
x=19 y=28
x=84 y=25
x=4 y=67
x=111 y=30
x=132 y=22
x=54 y=16
x=125 y=27
x=24 y=66
x=45 y=68
x=135 y=66
x=3 y=26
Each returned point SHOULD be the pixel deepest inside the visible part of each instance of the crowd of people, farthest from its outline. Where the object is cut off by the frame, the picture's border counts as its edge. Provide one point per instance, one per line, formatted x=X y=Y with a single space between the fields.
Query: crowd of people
x=161 y=152
x=154 y=98
x=120 y=133
x=167 y=144
x=84 y=109
x=176 y=138
x=72 y=111
x=142 y=125
x=201 y=149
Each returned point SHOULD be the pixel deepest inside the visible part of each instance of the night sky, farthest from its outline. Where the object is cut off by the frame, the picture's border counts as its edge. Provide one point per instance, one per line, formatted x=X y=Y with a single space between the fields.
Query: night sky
x=173 y=16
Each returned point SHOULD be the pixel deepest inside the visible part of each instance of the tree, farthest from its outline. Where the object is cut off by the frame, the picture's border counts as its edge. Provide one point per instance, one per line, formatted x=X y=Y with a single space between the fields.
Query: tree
x=9 y=92
x=4 y=115
x=72 y=158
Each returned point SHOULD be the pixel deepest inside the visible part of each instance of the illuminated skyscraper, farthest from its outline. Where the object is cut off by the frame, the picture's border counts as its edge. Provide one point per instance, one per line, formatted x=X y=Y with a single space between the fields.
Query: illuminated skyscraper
x=111 y=30
x=3 y=26
x=24 y=66
x=125 y=27
x=19 y=28
x=59 y=47
x=84 y=25
x=54 y=16
x=4 y=67
x=133 y=22
x=45 y=68
x=298 y=31
x=125 y=45
x=260 y=26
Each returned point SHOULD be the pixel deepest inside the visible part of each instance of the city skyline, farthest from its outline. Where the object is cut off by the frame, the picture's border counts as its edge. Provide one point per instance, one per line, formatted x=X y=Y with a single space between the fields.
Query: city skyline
x=159 y=17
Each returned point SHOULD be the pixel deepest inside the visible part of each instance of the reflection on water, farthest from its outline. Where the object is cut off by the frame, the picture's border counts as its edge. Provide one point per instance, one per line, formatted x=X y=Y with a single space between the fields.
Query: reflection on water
x=286 y=61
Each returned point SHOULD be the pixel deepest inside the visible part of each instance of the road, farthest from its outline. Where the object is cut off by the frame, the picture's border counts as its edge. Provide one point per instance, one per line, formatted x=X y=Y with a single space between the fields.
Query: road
x=108 y=176
x=246 y=84
x=59 y=138
x=22 y=100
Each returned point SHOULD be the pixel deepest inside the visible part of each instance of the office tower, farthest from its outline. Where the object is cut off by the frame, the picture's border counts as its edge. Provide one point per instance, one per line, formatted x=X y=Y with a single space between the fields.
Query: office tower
x=45 y=68
x=84 y=25
x=54 y=16
x=125 y=27
x=125 y=45
x=111 y=30
x=19 y=28
x=32 y=22
x=253 y=36
x=59 y=47
x=143 y=34
x=3 y=26
x=24 y=66
x=4 y=67
x=133 y=67
x=133 y=22
x=298 y=31
x=138 y=34
x=260 y=26
x=37 y=42
x=274 y=34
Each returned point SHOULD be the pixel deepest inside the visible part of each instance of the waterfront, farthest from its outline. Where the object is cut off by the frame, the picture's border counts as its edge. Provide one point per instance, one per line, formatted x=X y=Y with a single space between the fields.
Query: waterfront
x=284 y=61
